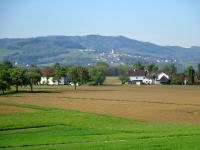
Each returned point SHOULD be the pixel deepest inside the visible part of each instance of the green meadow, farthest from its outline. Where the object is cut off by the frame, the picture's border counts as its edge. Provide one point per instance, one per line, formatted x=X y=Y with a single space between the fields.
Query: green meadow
x=60 y=129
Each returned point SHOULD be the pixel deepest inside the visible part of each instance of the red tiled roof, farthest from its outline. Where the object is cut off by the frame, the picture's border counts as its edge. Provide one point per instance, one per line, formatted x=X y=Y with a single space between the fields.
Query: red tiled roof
x=137 y=73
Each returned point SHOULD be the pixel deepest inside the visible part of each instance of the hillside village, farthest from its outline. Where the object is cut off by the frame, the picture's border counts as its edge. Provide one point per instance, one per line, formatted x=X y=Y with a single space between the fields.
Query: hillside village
x=119 y=58
x=112 y=57
x=90 y=49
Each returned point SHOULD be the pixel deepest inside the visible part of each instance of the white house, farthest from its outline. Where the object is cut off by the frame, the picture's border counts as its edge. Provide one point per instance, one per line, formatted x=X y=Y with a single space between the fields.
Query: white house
x=50 y=81
x=139 y=77
x=163 y=78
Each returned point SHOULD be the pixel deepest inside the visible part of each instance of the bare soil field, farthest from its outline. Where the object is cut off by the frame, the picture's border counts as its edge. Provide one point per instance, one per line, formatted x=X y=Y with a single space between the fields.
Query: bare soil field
x=14 y=109
x=179 y=104
x=112 y=81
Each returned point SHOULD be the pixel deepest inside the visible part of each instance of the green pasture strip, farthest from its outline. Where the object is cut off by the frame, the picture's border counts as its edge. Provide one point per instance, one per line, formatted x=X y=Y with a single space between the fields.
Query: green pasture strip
x=70 y=135
x=28 y=120
x=67 y=127
x=25 y=106
x=181 y=143
x=56 y=116
x=51 y=135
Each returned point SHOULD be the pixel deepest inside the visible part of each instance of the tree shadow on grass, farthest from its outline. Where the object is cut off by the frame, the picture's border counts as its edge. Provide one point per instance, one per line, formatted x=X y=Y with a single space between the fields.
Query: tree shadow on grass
x=24 y=91
x=96 y=90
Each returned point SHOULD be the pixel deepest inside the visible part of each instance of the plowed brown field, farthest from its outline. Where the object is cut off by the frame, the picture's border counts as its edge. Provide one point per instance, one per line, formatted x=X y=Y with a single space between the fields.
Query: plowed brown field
x=148 y=103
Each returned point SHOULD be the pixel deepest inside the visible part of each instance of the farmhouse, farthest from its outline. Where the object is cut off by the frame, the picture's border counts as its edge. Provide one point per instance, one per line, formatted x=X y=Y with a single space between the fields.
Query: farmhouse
x=139 y=77
x=163 y=78
x=50 y=81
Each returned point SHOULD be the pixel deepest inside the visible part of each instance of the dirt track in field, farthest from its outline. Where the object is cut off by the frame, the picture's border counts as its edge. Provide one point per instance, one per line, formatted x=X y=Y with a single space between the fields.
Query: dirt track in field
x=148 y=103
x=14 y=109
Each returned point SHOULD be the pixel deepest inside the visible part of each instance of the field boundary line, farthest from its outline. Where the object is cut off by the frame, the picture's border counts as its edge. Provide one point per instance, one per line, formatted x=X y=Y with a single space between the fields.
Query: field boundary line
x=25 y=106
x=99 y=142
x=134 y=101
x=30 y=127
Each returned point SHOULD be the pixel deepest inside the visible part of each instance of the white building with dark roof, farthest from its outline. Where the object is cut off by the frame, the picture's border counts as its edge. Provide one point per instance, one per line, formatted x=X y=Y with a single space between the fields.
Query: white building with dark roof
x=163 y=78
x=139 y=77
x=50 y=81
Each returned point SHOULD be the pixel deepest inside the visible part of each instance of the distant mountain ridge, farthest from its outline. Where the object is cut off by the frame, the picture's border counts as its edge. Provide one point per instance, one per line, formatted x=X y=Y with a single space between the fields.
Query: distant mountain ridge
x=73 y=50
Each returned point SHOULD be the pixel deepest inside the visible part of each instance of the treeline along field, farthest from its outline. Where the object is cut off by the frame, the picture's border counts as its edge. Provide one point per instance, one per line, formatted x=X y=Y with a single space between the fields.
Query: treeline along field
x=16 y=76
x=92 y=75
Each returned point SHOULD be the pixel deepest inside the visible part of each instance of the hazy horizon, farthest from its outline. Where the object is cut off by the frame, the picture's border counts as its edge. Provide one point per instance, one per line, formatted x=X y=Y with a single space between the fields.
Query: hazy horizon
x=100 y=35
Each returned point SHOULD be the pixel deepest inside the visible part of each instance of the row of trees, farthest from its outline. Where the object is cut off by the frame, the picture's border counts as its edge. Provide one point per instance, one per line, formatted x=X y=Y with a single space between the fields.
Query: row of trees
x=16 y=76
x=188 y=75
x=93 y=75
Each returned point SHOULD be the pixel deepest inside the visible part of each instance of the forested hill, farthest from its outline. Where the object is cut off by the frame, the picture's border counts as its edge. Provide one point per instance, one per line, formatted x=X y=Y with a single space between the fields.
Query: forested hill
x=92 y=48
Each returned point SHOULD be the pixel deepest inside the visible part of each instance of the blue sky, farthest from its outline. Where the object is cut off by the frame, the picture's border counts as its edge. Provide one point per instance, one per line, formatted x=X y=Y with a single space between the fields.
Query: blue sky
x=164 y=22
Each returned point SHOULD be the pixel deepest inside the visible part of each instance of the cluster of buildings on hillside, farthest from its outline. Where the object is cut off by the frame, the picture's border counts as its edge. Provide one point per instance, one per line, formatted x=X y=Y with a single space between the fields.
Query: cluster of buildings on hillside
x=116 y=57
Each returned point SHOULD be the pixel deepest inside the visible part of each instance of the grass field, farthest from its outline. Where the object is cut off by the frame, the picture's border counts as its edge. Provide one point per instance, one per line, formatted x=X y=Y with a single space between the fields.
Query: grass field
x=106 y=117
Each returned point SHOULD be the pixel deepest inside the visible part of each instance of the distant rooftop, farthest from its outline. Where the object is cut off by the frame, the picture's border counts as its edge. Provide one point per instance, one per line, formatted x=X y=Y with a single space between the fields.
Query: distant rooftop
x=137 y=73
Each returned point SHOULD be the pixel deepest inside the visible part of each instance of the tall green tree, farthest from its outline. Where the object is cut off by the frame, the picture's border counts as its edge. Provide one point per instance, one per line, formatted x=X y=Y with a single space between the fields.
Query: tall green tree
x=138 y=66
x=198 y=73
x=32 y=76
x=17 y=77
x=124 y=78
x=178 y=78
x=6 y=64
x=58 y=72
x=74 y=75
x=4 y=80
x=190 y=73
x=172 y=69
x=84 y=75
x=124 y=75
x=102 y=65
x=97 y=75
x=152 y=68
